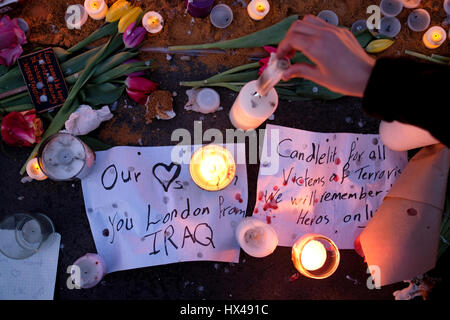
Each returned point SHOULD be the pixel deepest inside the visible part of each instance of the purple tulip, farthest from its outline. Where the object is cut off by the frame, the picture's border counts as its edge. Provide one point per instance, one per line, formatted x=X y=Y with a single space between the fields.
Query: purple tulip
x=132 y=36
x=11 y=39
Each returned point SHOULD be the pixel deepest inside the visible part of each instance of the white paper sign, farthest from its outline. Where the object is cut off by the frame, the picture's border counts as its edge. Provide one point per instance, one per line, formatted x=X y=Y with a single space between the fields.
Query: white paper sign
x=325 y=183
x=145 y=210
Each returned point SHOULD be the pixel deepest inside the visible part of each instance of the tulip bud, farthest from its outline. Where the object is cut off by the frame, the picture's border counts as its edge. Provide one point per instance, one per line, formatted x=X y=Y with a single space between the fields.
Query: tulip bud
x=118 y=10
x=132 y=36
x=141 y=84
x=137 y=96
x=129 y=18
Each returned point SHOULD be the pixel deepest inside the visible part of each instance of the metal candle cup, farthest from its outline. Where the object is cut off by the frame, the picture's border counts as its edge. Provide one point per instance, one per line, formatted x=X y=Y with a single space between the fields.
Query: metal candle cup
x=315 y=256
x=212 y=167
x=63 y=157
x=199 y=8
x=96 y=9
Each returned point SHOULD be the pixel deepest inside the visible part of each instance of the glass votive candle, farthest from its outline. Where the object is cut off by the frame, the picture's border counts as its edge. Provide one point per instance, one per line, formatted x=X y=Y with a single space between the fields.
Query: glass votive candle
x=329 y=16
x=315 y=256
x=358 y=26
x=419 y=20
x=390 y=26
x=391 y=8
x=411 y=3
x=434 y=37
x=34 y=171
x=63 y=157
x=212 y=167
x=221 y=16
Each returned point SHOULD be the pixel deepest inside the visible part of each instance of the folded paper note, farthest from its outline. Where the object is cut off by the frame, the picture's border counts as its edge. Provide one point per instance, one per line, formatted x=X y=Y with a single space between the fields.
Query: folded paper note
x=326 y=183
x=145 y=210
x=401 y=241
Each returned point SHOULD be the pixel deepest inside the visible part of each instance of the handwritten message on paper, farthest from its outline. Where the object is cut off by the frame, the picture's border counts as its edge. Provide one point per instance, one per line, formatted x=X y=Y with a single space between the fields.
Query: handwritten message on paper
x=145 y=210
x=326 y=183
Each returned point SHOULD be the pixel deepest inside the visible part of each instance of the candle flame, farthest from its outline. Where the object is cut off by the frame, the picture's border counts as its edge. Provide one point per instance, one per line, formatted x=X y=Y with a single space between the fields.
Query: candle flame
x=154 y=21
x=260 y=7
x=313 y=255
x=94 y=5
x=436 y=36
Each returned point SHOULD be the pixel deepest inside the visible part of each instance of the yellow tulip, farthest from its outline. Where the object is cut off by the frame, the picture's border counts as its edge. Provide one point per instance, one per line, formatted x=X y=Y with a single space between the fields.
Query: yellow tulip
x=130 y=17
x=118 y=10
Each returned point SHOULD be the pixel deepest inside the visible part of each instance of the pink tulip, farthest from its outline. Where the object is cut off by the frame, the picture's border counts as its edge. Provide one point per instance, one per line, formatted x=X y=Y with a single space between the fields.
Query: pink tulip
x=265 y=61
x=137 y=96
x=132 y=37
x=139 y=88
x=11 y=39
x=21 y=128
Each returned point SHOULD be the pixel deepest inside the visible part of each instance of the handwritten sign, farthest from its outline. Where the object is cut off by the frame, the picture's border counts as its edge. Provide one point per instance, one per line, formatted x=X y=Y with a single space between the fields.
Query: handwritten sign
x=145 y=210
x=44 y=79
x=326 y=183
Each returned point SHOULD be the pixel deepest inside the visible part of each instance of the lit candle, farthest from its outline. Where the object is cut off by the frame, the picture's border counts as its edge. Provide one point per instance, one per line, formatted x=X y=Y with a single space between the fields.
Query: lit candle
x=34 y=171
x=88 y=270
x=315 y=256
x=153 y=22
x=411 y=3
x=96 y=9
x=434 y=37
x=65 y=157
x=258 y=9
x=391 y=8
x=256 y=237
x=329 y=16
x=390 y=26
x=418 y=20
x=221 y=16
x=199 y=8
x=75 y=16
x=212 y=167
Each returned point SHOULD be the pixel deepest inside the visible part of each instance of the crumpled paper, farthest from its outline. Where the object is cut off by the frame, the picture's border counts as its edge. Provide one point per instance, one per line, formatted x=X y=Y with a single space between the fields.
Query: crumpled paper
x=401 y=240
x=85 y=119
x=159 y=105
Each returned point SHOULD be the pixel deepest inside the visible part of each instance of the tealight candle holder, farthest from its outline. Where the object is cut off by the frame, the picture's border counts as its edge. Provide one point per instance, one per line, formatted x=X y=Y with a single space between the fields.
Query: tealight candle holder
x=359 y=26
x=76 y=16
x=410 y=4
x=315 y=256
x=63 y=157
x=208 y=100
x=447 y=7
x=96 y=9
x=88 y=270
x=329 y=16
x=434 y=37
x=34 y=171
x=419 y=20
x=391 y=8
x=256 y=238
x=199 y=8
x=212 y=167
x=153 y=22
x=258 y=9
x=221 y=16
x=390 y=26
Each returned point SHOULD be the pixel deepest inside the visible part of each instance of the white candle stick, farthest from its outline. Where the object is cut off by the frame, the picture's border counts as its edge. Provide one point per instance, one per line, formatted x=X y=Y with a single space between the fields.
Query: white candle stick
x=76 y=16
x=96 y=9
x=88 y=270
x=153 y=22
x=434 y=37
x=256 y=237
x=258 y=9
x=34 y=171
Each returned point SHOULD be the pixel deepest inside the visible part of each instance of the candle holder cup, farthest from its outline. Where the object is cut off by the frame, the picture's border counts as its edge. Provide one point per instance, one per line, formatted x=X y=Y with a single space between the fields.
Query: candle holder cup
x=330 y=261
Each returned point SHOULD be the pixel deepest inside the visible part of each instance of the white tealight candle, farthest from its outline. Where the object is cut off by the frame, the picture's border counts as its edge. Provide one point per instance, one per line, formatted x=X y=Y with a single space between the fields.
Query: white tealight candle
x=329 y=16
x=391 y=8
x=65 y=157
x=31 y=232
x=258 y=9
x=208 y=100
x=411 y=3
x=434 y=37
x=153 y=22
x=250 y=109
x=76 y=16
x=359 y=26
x=88 y=270
x=221 y=16
x=419 y=20
x=256 y=237
x=96 y=9
x=390 y=26
x=447 y=7
x=34 y=171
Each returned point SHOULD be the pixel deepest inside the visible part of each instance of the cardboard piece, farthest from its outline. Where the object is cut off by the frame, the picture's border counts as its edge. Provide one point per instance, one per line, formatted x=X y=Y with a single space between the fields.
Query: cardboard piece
x=401 y=240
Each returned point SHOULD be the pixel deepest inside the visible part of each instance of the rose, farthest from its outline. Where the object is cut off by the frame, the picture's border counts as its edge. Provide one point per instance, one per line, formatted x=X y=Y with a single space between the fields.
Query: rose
x=21 y=128
x=11 y=39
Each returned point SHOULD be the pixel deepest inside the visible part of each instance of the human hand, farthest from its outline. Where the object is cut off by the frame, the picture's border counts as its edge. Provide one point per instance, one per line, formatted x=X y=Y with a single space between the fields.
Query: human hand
x=341 y=64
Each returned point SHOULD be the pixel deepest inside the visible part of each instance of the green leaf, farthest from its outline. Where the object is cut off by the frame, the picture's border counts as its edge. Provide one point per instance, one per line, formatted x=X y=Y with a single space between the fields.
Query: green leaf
x=101 y=94
x=18 y=108
x=107 y=30
x=309 y=89
x=268 y=36
x=120 y=71
x=3 y=70
x=18 y=99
